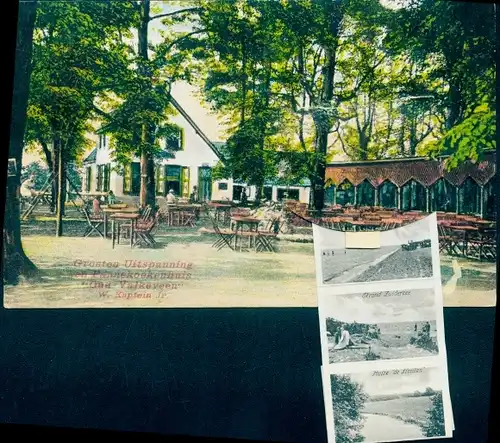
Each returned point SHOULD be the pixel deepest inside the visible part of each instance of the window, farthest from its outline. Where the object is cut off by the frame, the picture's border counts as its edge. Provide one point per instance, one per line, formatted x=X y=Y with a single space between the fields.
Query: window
x=237 y=189
x=222 y=186
x=127 y=179
x=365 y=194
x=88 y=178
x=160 y=179
x=290 y=194
x=106 y=178
x=330 y=195
x=469 y=196
x=443 y=196
x=175 y=141
x=100 y=178
x=489 y=200
x=103 y=141
x=268 y=192
x=388 y=195
x=345 y=193
x=173 y=179
x=413 y=197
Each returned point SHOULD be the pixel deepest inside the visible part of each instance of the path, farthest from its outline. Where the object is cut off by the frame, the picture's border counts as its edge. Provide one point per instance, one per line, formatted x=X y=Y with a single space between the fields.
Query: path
x=384 y=428
x=401 y=265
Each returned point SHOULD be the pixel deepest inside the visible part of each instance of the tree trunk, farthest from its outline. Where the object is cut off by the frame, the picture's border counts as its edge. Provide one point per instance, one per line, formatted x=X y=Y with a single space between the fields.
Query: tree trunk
x=455 y=110
x=143 y=197
x=60 y=195
x=322 y=131
x=55 y=170
x=147 y=192
x=15 y=263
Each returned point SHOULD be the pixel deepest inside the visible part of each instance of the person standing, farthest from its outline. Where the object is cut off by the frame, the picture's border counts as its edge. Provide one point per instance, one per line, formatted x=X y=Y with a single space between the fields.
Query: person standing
x=193 y=198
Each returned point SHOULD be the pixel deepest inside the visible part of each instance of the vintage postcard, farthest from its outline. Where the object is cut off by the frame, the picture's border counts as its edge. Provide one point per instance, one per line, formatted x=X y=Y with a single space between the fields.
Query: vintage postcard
x=383 y=325
x=387 y=404
x=173 y=154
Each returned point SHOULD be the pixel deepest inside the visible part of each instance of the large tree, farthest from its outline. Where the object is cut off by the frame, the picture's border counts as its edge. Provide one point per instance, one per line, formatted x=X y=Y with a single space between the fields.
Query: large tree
x=15 y=263
x=138 y=110
x=77 y=53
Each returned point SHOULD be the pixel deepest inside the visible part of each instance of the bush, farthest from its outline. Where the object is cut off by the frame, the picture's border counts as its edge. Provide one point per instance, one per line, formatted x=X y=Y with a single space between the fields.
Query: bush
x=434 y=425
x=370 y=355
x=348 y=399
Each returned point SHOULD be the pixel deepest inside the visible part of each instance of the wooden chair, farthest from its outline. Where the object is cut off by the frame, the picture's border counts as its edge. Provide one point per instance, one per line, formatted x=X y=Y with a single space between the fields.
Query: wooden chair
x=94 y=223
x=144 y=232
x=482 y=244
x=225 y=236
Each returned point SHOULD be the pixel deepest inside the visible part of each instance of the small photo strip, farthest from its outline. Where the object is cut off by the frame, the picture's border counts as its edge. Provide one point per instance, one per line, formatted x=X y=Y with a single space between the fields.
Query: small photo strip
x=387 y=404
x=383 y=325
x=405 y=254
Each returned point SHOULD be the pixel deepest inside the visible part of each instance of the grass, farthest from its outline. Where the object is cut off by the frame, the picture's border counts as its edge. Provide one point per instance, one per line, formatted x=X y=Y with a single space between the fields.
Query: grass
x=408 y=409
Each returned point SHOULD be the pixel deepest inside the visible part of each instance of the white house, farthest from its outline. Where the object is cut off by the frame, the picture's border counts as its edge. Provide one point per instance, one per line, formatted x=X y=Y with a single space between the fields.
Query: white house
x=194 y=157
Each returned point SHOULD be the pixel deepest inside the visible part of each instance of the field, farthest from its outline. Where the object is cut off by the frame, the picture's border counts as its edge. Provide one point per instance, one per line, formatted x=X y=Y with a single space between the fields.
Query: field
x=394 y=343
x=409 y=409
x=386 y=263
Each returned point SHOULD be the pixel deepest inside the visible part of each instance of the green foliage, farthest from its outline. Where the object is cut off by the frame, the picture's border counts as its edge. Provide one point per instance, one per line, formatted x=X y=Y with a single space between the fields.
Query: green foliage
x=349 y=400
x=38 y=172
x=434 y=425
x=77 y=53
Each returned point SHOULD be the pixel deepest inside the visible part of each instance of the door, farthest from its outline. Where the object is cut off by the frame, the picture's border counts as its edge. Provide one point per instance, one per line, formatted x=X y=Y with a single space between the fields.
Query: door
x=204 y=183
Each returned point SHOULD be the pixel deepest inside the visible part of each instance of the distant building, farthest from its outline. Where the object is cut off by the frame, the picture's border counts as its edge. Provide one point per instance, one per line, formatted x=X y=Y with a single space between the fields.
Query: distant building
x=192 y=157
x=414 y=184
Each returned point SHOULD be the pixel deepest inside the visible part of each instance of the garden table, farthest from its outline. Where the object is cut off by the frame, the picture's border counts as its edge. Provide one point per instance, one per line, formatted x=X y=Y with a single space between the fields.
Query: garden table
x=251 y=223
x=106 y=211
x=121 y=217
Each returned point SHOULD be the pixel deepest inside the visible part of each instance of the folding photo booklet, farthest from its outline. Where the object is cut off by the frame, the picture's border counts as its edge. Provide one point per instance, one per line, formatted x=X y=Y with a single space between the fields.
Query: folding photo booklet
x=380 y=308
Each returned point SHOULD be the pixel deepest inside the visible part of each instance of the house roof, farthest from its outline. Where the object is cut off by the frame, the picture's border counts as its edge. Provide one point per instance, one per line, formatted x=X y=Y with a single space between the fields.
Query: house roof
x=91 y=158
x=400 y=171
x=214 y=146
x=197 y=129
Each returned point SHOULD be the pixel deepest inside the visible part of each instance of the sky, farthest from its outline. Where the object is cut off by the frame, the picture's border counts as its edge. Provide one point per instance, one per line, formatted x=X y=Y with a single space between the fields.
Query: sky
x=186 y=94
x=417 y=305
x=399 y=384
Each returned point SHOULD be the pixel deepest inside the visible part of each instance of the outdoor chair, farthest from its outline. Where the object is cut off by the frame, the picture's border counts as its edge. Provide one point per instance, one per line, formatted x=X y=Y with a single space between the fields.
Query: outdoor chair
x=144 y=232
x=482 y=245
x=94 y=223
x=225 y=236
x=123 y=229
x=450 y=241
x=265 y=239
x=188 y=218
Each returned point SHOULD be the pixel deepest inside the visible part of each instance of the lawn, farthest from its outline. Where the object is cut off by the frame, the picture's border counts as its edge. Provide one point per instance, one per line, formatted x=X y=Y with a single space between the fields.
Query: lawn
x=409 y=409
x=222 y=278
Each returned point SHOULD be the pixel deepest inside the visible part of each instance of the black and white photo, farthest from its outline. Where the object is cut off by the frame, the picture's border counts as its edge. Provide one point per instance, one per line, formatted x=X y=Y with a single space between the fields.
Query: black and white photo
x=351 y=342
x=382 y=325
x=388 y=405
x=410 y=260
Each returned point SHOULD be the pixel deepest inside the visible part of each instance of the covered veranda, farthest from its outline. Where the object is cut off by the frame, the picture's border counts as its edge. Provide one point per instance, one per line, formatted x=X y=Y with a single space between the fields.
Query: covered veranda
x=414 y=184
